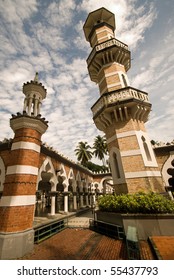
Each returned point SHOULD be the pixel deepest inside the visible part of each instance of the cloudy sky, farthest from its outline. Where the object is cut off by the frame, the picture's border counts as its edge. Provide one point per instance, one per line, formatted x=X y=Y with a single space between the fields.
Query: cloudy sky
x=47 y=36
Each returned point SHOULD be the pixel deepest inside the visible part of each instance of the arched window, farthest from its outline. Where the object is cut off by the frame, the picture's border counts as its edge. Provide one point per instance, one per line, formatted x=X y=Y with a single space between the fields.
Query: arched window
x=146 y=148
x=116 y=165
x=124 y=80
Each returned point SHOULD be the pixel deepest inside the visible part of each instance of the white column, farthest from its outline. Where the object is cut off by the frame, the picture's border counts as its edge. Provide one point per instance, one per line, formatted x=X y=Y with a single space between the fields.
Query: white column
x=29 y=106
x=53 y=204
x=75 y=201
x=74 y=185
x=87 y=202
x=66 y=202
x=170 y=194
x=81 y=200
x=93 y=198
x=25 y=104
x=36 y=107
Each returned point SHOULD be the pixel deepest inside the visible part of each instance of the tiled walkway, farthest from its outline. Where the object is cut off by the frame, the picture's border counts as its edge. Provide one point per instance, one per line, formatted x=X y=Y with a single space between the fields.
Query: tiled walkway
x=79 y=243
x=83 y=244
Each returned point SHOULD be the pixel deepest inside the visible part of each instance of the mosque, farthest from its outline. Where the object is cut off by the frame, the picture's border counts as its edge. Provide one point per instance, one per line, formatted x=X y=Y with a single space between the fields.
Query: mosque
x=35 y=179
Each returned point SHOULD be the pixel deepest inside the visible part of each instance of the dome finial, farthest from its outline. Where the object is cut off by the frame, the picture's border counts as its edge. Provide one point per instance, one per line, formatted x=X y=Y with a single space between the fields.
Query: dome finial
x=36 y=78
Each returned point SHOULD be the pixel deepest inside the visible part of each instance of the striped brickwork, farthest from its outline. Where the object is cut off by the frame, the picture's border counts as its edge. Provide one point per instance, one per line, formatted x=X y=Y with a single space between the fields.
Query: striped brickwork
x=110 y=78
x=101 y=35
x=18 y=200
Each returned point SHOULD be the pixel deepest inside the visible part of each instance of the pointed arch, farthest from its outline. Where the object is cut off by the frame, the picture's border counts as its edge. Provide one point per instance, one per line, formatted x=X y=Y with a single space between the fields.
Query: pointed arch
x=78 y=177
x=48 y=168
x=146 y=149
x=71 y=174
x=63 y=176
x=116 y=166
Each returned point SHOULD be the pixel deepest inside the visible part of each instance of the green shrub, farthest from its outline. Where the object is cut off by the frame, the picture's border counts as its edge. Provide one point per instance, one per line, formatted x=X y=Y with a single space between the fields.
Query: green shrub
x=150 y=203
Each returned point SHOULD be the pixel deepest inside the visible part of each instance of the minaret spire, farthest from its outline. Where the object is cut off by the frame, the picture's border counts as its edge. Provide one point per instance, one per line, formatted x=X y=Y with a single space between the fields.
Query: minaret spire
x=36 y=78
x=121 y=110
x=18 y=200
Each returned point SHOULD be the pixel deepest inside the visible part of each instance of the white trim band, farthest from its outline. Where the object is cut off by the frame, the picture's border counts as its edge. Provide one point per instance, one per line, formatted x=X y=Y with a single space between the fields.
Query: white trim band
x=18 y=200
x=25 y=145
x=22 y=169
x=141 y=174
x=121 y=135
x=110 y=86
x=130 y=153
x=114 y=137
x=126 y=134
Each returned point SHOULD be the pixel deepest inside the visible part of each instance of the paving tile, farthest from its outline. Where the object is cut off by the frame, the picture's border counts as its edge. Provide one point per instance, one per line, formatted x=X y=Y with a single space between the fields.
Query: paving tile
x=164 y=246
x=83 y=244
x=78 y=242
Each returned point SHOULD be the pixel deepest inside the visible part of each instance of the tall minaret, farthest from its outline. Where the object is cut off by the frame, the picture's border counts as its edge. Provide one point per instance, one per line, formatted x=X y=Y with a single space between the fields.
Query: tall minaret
x=121 y=110
x=17 y=203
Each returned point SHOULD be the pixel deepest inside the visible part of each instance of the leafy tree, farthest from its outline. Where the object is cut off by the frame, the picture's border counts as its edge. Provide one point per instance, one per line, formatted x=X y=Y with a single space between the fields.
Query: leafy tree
x=83 y=152
x=100 y=148
x=95 y=167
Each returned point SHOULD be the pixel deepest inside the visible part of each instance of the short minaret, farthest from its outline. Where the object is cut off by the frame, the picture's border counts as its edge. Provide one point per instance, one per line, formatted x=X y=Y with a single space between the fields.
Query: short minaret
x=17 y=203
x=121 y=110
x=35 y=93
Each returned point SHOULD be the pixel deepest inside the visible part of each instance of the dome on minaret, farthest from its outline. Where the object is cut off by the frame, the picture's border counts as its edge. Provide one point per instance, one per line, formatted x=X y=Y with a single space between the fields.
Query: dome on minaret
x=97 y=17
x=34 y=92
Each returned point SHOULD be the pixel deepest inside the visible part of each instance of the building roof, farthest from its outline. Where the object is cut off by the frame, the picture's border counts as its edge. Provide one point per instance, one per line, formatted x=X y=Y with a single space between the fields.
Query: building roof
x=163 y=149
x=96 y=17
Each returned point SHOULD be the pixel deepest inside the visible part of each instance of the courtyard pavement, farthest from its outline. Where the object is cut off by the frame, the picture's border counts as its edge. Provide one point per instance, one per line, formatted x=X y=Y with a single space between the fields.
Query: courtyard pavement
x=78 y=242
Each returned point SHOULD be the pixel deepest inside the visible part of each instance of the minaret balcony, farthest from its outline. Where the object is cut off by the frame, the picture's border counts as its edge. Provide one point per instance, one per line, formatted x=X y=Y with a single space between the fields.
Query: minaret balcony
x=104 y=45
x=127 y=96
x=112 y=50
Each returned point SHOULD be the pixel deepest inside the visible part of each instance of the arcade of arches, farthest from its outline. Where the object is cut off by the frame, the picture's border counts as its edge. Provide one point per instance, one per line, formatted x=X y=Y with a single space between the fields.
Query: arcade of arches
x=64 y=186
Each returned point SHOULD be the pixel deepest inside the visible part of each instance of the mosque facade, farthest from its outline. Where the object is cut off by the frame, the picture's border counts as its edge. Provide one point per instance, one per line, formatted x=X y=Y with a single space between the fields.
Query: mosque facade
x=35 y=180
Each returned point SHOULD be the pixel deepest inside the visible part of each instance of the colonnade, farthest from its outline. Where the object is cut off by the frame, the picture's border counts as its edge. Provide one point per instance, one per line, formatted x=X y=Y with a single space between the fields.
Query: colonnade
x=79 y=198
x=85 y=200
x=66 y=189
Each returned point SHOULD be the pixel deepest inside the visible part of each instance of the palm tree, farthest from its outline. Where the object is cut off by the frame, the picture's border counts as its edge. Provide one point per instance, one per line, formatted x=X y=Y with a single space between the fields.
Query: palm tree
x=100 y=148
x=83 y=152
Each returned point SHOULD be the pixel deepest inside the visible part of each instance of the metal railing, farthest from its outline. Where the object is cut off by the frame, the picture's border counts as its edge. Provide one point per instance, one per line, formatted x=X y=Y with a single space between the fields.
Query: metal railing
x=109 y=43
x=111 y=230
x=119 y=95
x=45 y=231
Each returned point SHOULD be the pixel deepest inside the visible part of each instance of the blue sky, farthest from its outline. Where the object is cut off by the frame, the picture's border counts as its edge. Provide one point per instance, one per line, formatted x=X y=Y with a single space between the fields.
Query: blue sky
x=47 y=36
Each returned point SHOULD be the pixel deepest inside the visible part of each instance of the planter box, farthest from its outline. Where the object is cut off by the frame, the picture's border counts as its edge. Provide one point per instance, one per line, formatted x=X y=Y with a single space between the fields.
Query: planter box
x=147 y=225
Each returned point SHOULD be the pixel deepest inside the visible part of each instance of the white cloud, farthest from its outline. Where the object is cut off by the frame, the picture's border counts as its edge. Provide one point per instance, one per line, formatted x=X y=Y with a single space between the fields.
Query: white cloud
x=60 y=13
x=15 y=11
x=47 y=36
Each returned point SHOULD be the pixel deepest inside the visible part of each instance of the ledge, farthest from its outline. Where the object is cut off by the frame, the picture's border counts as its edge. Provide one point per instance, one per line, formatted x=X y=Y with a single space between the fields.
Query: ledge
x=146 y=224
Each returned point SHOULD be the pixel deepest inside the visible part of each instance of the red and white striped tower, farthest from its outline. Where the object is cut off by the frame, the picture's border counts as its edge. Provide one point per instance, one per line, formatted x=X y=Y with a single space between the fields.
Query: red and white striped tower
x=18 y=200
